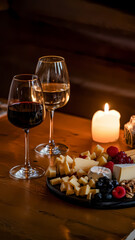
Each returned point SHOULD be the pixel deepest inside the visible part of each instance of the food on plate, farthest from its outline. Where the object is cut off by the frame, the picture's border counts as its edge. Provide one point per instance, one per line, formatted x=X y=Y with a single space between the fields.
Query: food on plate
x=84 y=164
x=112 y=151
x=95 y=175
x=98 y=171
x=119 y=192
x=124 y=171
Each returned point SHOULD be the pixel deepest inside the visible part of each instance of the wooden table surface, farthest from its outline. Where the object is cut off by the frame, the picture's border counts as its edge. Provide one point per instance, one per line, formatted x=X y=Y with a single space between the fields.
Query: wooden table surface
x=29 y=211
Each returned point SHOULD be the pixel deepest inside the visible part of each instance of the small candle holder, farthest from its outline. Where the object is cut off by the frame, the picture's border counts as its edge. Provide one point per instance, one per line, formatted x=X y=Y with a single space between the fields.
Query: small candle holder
x=129 y=132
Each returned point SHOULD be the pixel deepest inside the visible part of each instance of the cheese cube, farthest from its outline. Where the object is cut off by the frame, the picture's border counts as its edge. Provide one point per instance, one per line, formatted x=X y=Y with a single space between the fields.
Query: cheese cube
x=94 y=191
x=89 y=196
x=102 y=160
x=98 y=150
x=84 y=190
x=63 y=187
x=55 y=181
x=124 y=171
x=83 y=181
x=104 y=154
x=51 y=171
x=77 y=190
x=93 y=156
x=74 y=182
x=69 y=159
x=66 y=167
x=61 y=169
x=73 y=176
x=86 y=178
x=81 y=173
x=70 y=189
x=92 y=183
x=72 y=171
x=65 y=179
x=87 y=153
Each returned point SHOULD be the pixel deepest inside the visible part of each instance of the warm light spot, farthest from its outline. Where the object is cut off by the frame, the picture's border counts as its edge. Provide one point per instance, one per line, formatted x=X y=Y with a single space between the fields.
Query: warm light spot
x=106 y=107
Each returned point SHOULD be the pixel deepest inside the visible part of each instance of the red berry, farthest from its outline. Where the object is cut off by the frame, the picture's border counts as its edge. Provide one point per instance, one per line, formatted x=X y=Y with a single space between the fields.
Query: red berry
x=109 y=165
x=112 y=151
x=128 y=159
x=119 y=192
x=82 y=156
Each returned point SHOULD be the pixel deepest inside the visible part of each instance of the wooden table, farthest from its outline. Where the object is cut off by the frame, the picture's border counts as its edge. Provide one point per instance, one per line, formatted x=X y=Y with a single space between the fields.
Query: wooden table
x=29 y=211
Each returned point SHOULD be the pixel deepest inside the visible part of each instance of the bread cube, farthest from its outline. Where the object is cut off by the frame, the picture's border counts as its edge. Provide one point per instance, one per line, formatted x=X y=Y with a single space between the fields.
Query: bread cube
x=98 y=150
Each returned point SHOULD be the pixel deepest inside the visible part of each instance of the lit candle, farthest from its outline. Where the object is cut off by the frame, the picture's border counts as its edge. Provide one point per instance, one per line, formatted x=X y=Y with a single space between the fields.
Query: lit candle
x=106 y=125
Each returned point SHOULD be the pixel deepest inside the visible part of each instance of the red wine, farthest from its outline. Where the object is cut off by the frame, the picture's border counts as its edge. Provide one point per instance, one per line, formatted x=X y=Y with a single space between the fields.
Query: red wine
x=25 y=114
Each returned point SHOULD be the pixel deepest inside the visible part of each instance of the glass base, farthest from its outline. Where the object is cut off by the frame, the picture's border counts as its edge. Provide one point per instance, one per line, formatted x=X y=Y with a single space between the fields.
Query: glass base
x=20 y=172
x=48 y=149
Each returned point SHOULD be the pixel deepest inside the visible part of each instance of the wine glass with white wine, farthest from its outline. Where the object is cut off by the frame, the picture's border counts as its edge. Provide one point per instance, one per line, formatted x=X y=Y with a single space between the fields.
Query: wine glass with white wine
x=53 y=75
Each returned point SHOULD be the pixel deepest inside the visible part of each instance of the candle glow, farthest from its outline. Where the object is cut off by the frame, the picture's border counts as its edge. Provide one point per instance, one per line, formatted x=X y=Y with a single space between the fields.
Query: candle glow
x=106 y=125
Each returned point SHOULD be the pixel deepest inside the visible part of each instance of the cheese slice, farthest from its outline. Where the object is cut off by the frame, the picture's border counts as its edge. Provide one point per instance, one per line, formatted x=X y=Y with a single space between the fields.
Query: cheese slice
x=124 y=171
x=85 y=165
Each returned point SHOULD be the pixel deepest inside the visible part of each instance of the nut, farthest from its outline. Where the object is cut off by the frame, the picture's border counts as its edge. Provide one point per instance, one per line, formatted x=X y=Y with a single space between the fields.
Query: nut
x=129 y=195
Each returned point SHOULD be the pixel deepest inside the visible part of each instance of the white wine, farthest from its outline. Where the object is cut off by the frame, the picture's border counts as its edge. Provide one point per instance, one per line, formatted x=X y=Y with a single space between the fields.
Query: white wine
x=56 y=95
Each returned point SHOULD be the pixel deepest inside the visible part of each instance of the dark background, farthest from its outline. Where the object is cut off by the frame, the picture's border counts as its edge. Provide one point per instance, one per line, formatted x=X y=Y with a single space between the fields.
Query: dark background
x=96 y=39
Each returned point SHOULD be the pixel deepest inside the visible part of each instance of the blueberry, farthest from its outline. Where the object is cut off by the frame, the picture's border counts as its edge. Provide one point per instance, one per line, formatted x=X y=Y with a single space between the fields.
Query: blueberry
x=102 y=179
x=98 y=197
x=99 y=184
x=103 y=190
x=107 y=196
x=115 y=183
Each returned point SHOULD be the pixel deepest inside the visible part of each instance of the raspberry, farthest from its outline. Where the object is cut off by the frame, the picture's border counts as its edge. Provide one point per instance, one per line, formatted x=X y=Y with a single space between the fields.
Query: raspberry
x=109 y=165
x=80 y=156
x=119 y=192
x=112 y=151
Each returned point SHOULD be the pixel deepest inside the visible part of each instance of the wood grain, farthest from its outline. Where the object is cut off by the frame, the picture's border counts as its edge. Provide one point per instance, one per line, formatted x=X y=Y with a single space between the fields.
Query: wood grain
x=28 y=210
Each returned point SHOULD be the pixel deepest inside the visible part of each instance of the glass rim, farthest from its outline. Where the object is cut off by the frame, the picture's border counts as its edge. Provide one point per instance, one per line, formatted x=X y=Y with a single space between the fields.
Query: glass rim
x=61 y=59
x=16 y=77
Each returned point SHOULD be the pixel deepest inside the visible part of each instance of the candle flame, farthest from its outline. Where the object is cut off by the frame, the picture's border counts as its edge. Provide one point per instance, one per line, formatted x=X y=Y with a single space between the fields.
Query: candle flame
x=106 y=107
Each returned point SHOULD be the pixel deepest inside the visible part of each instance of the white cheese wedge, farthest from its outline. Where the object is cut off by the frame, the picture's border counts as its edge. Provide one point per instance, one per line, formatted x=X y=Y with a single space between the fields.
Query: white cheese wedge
x=124 y=171
x=97 y=172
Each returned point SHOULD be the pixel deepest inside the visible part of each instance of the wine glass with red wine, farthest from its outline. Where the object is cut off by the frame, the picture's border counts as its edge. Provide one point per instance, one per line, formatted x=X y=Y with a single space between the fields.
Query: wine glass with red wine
x=53 y=74
x=26 y=110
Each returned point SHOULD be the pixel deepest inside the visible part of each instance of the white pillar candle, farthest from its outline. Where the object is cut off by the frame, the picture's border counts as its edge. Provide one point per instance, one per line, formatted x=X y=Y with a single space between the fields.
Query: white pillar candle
x=106 y=125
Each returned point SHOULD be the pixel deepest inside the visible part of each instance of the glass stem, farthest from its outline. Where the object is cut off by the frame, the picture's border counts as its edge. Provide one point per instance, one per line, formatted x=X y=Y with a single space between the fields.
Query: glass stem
x=27 y=161
x=51 y=141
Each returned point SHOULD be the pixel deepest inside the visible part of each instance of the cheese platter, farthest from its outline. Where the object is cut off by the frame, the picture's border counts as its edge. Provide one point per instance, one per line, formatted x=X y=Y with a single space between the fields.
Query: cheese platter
x=102 y=179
